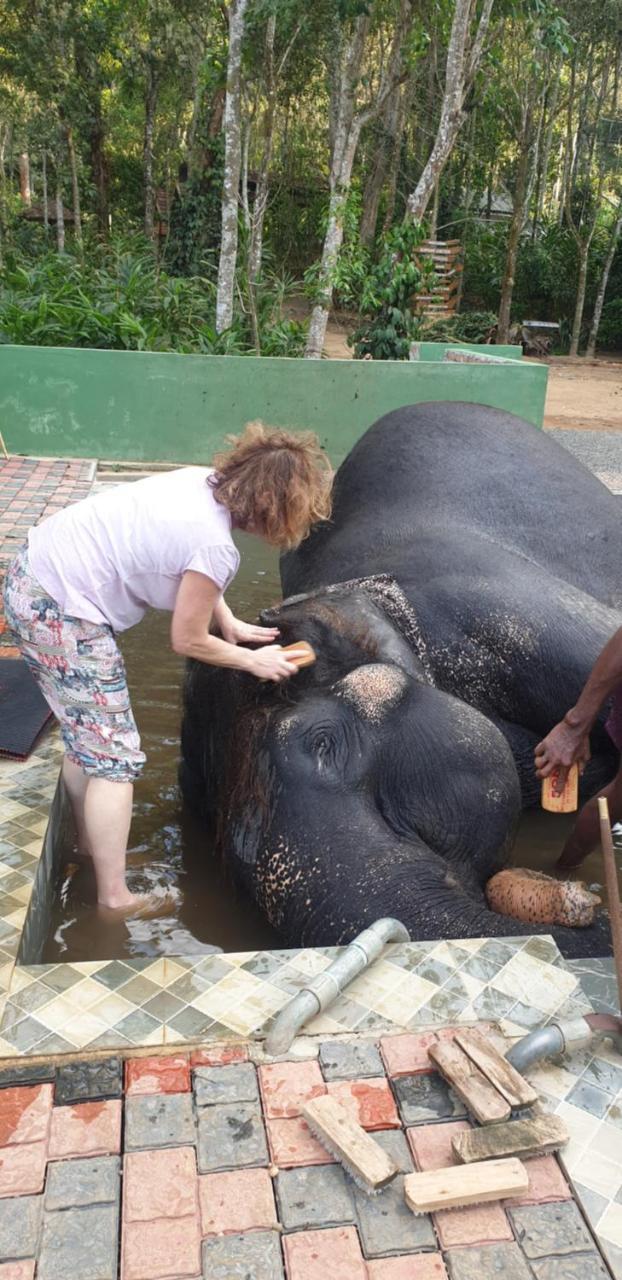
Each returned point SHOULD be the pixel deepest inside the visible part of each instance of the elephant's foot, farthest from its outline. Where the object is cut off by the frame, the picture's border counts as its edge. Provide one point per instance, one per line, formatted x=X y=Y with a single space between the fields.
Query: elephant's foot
x=538 y=899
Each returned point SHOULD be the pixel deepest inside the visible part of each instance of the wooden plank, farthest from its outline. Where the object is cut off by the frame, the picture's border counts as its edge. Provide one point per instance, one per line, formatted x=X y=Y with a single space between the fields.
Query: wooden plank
x=465 y=1185
x=509 y=1083
x=344 y=1138
x=522 y=1138
x=477 y=1093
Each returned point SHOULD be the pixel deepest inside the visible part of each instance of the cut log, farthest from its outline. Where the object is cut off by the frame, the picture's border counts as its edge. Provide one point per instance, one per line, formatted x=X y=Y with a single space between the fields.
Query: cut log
x=520 y=1138
x=365 y=1159
x=478 y=1094
x=463 y=1185
x=509 y=1083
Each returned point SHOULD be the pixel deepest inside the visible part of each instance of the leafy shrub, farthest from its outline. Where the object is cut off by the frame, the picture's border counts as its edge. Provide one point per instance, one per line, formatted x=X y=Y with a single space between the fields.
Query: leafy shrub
x=388 y=294
x=610 y=330
x=467 y=326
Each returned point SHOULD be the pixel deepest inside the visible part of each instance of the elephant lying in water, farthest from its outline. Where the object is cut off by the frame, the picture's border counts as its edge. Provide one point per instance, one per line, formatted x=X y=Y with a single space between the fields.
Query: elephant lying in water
x=457 y=600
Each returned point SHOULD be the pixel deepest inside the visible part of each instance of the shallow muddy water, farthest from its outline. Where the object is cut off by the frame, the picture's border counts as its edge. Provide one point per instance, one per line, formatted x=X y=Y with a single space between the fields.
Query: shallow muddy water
x=168 y=848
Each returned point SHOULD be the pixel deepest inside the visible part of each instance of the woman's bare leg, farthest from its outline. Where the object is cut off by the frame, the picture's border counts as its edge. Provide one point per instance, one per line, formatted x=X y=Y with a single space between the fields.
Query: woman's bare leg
x=107 y=819
x=76 y=782
x=585 y=835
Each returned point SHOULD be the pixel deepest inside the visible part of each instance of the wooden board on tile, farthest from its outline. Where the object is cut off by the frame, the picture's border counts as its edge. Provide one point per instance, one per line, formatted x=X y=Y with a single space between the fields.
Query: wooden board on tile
x=472 y=1087
x=463 y=1185
x=522 y=1138
x=345 y=1139
x=507 y=1081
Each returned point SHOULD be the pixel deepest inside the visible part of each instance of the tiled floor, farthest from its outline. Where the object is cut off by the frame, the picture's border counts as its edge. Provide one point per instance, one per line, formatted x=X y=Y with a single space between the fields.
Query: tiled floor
x=201 y=1166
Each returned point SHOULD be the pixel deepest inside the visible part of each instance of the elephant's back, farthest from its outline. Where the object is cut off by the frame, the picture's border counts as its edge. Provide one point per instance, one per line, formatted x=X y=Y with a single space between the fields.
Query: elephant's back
x=459 y=467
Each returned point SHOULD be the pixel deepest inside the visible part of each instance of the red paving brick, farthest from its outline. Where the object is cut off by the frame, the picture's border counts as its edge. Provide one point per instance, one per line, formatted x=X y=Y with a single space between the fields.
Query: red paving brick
x=22 y=1169
x=239 y=1201
x=17 y=1270
x=286 y=1086
x=420 y=1266
x=405 y=1055
x=25 y=1114
x=318 y=1255
x=431 y=1143
x=160 y=1184
x=165 y=1248
x=157 y=1075
x=292 y=1143
x=88 y=1129
x=482 y=1224
x=219 y=1055
x=546 y=1182
x=370 y=1102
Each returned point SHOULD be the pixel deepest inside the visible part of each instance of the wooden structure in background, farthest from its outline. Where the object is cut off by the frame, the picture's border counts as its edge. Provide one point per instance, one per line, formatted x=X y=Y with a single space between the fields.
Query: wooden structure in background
x=444 y=296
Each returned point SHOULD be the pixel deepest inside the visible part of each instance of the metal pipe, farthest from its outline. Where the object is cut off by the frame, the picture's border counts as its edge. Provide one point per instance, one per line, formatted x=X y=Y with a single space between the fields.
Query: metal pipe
x=326 y=986
x=549 y=1042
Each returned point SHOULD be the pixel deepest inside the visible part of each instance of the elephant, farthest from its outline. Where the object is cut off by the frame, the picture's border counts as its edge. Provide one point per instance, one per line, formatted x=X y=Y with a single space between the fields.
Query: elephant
x=456 y=601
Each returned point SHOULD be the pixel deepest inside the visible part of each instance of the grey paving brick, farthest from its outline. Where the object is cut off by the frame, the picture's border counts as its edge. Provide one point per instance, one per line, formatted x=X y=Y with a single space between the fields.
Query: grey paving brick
x=576 y=1266
x=545 y=1229
x=314 y=1196
x=235 y=1083
x=82 y=1081
x=231 y=1137
x=387 y=1226
x=488 y=1263
x=19 y=1227
x=393 y=1141
x=424 y=1098
x=255 y=1255
x=162 y=1120
x=71 y=1183
x=345 y=1061
x=79 y=1243
x=39 y=1073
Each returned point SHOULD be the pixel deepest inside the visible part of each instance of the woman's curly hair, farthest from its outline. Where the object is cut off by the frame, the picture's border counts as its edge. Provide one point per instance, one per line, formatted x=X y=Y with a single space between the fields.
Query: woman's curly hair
x=274 y=483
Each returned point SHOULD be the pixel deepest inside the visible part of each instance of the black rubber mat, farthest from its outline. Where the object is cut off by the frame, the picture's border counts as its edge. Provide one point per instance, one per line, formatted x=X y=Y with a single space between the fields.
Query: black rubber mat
x=23 y=709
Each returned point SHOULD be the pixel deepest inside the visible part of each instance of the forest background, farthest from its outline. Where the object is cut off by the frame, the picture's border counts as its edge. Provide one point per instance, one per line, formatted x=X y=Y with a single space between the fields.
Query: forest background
x=204 y=176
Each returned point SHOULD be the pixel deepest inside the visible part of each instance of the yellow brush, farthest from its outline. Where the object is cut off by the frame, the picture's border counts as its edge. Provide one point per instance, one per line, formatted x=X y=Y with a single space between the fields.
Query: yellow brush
x=306 y=655
x=560 y=797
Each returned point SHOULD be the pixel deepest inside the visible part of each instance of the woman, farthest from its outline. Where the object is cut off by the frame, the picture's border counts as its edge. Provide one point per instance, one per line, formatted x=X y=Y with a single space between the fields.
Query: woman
x=93 y=569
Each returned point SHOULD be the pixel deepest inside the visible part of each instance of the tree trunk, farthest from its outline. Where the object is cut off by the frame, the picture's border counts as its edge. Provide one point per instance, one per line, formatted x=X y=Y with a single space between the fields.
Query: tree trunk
x=44 y=177
x=233 y=160
x=404 y=104
x=516 y=227
x=383 y=156
x=330 y=253
x=75 y=189
x=602 y=287
x=24 y=179
x=543 y=164
x=463 y=59
x=151 y=101
x=60 y=213
x=255 y=249
x=99 y=168
x=584 y=253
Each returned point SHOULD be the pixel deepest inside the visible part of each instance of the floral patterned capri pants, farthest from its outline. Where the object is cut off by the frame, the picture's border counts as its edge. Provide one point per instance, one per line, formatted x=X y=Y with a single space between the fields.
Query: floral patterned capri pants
x=81 y=674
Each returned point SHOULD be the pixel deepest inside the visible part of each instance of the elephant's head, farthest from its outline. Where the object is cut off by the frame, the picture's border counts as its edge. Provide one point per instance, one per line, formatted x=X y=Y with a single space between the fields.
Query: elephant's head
x=360 y=789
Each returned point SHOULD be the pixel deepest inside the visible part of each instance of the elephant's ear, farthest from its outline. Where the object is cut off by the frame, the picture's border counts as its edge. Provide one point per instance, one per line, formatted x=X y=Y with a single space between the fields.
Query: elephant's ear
x=248 y=810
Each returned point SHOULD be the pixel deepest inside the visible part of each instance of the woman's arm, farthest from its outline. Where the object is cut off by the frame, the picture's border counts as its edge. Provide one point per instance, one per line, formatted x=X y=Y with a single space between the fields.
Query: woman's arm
x=197 y=600
x=568 y=742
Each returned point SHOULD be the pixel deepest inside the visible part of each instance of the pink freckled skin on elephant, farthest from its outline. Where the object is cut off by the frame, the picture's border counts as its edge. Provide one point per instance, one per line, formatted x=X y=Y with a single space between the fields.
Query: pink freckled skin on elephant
x=538 y=899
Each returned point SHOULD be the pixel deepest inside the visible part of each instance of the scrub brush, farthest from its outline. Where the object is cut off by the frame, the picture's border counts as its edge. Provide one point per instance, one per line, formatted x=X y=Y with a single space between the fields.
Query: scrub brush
x=363 y=1158
x=302 y=648
x=462 y=1185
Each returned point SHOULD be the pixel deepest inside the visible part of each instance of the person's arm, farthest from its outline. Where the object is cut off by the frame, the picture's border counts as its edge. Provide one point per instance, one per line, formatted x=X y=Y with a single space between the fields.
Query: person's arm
x=235 y=631
x=568 y=742
x=196 y=601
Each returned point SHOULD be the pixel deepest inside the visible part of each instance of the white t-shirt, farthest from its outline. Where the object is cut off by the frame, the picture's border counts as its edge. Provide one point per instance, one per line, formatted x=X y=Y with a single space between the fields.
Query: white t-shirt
x=115 y=554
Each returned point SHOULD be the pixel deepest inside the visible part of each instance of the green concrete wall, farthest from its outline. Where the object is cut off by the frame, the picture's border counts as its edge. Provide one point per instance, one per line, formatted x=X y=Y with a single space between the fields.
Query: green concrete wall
x=436 y=350
x=167 y=407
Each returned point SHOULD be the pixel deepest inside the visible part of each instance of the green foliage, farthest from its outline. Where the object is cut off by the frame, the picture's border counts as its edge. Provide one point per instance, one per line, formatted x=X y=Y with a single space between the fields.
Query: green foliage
x=610 y=331
x=194 y=229
x=466 y=326
x=351 y=272
x=116 y=298
x=387 y=298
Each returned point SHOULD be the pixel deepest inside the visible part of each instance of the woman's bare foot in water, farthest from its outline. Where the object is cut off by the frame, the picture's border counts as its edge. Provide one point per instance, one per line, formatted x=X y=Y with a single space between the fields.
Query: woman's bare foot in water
x=143 y=905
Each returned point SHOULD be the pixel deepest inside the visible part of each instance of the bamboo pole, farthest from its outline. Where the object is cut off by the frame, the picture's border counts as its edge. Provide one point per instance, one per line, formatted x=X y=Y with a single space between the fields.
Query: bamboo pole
x=613 y=889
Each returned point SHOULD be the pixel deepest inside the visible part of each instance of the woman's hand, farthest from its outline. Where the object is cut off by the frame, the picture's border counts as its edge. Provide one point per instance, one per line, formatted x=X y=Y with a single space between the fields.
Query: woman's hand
x=562 y=747
x=271 y=663
x=236 y=632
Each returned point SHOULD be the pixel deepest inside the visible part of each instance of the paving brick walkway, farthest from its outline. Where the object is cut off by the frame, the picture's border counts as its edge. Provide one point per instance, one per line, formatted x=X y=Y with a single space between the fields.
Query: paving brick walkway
x=30 y=490
x=200 y=1165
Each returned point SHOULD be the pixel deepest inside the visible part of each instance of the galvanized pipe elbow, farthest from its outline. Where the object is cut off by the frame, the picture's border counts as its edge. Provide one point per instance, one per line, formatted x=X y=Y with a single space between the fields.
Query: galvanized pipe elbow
x=549 y=1042
x=326 y=986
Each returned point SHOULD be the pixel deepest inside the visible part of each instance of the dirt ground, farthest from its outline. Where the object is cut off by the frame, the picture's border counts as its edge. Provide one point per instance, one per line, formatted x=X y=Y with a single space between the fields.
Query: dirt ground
x=585 y=394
